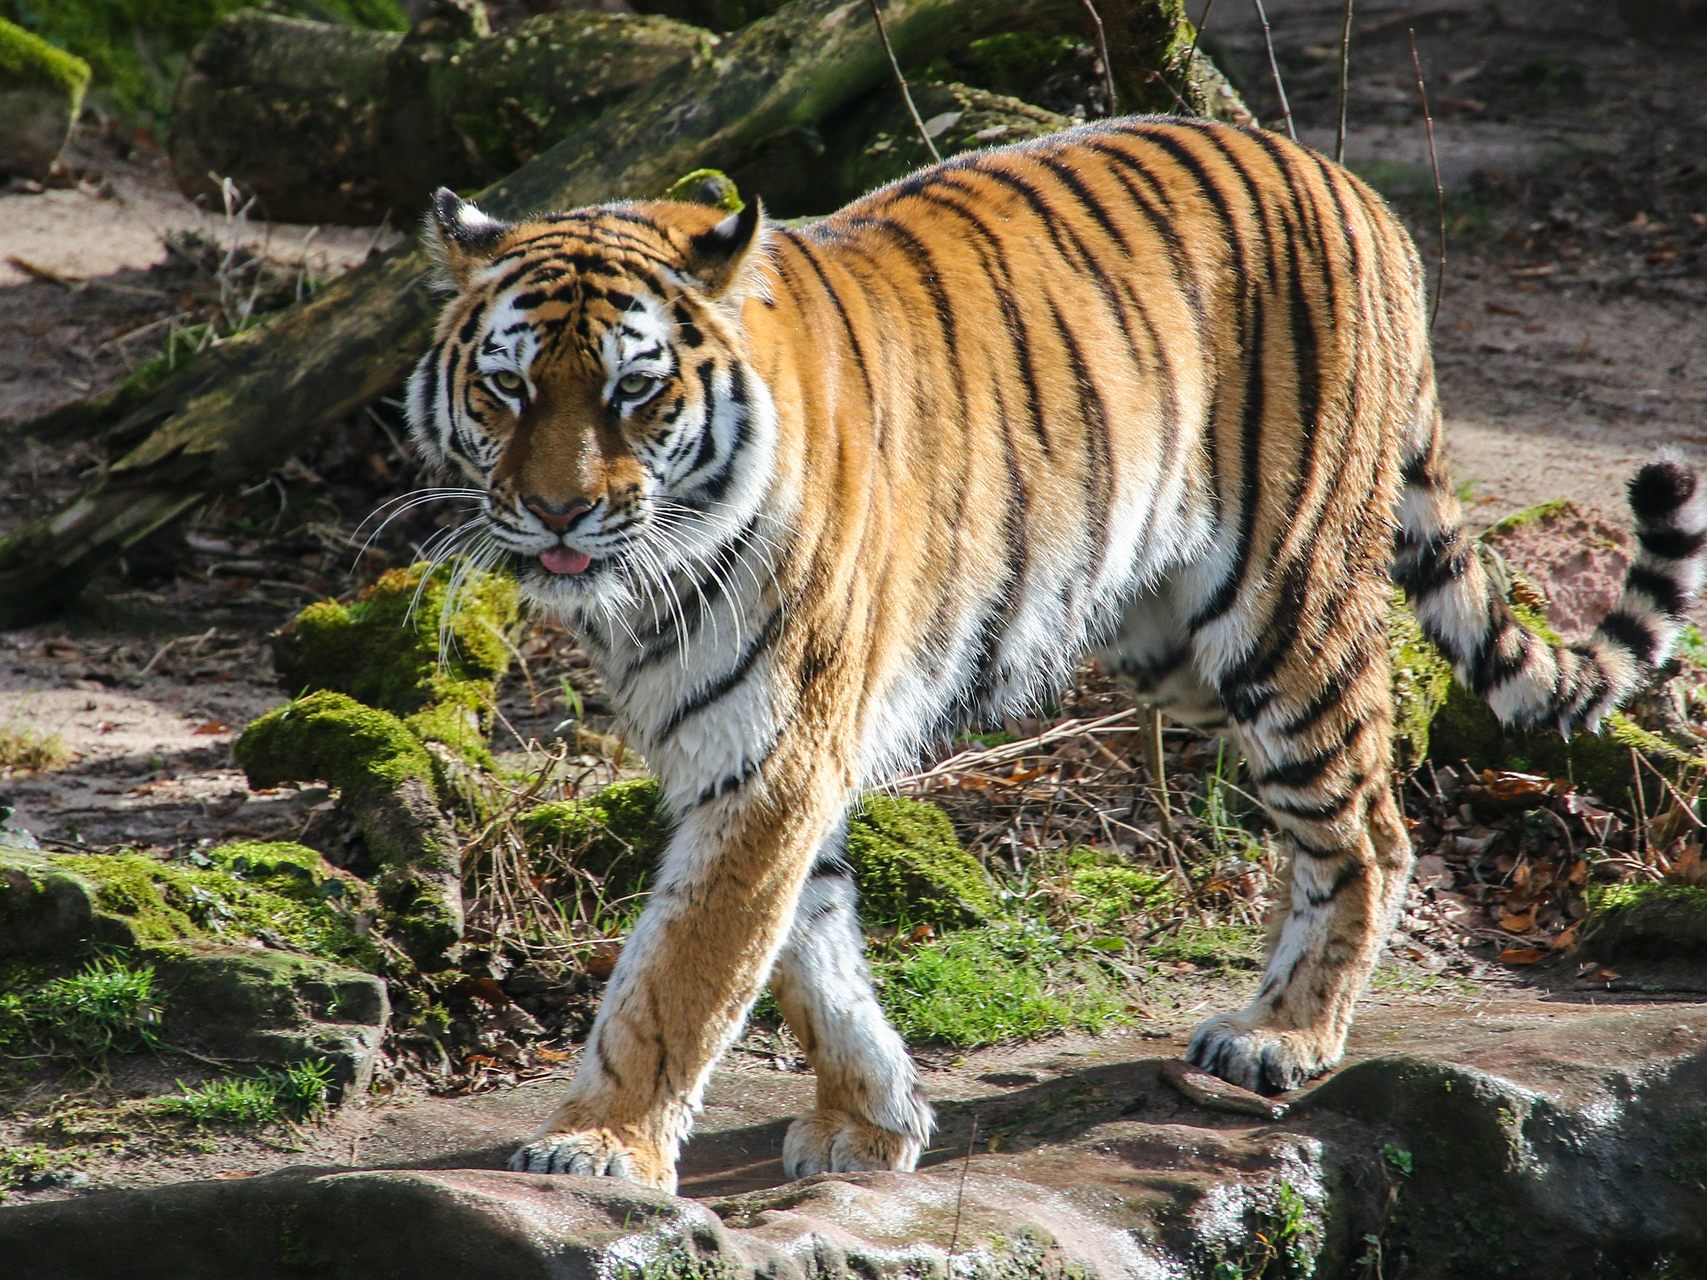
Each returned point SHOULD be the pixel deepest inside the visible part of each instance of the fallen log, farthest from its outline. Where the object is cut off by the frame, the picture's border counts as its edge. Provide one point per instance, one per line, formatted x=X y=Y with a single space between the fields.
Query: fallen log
x=246 y=405
x=327 y=123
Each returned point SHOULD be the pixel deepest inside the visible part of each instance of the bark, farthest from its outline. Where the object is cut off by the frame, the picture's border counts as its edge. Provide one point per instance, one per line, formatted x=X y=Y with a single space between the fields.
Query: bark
x=330 y=124
x=1157 y=66
x=245 y=406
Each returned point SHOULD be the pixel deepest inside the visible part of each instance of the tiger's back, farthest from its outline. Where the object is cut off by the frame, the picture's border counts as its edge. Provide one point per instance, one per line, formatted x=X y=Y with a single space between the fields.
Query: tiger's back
x=1167 y=352
x=1157 y=390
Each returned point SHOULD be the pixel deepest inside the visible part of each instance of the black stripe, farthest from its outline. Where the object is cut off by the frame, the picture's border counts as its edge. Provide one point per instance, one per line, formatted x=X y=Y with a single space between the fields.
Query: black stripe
x=1351 y=873
x=1332 y=692
x=726 y=683
x=1632 y=633
x=854 y=344
x=1099 y=447
x=1440 y=561
x=1671 y=543
x=732 y=781
x=1659 y=587
x=1306 y=769
x=1492 y=665
x=1322 y=811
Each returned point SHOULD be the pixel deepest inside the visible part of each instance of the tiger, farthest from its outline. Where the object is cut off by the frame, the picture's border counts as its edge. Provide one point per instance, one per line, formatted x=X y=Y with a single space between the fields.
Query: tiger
x=1156 y=392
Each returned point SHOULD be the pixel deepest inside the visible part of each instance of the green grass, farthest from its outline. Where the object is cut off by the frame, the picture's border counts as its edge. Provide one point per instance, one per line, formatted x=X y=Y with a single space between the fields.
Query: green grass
x=1016 y=979
x=297 y=1092
x=106 y=1007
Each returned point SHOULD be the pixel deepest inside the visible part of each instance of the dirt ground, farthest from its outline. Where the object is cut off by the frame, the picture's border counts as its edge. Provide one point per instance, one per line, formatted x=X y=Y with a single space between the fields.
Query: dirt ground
x=1572 y=316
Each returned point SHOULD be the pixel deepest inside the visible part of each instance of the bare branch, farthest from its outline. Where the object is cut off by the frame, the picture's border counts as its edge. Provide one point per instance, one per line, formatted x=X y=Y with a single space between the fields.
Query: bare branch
x=1439 y=191
x=1102 y=52
x=901 y=81
x=1274 y=71
x=1345 y=83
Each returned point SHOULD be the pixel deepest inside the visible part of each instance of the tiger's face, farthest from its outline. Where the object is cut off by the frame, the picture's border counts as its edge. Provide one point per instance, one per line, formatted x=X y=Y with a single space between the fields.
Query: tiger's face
x=589 y=383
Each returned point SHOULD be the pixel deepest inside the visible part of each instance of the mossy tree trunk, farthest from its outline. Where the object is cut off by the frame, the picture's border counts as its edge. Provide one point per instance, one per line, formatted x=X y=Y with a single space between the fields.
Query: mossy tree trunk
x=1157 y=66
x=326 y=123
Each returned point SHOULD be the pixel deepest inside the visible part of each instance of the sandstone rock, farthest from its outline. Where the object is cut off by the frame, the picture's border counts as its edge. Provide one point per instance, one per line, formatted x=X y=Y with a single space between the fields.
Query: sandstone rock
x=1531 y=1139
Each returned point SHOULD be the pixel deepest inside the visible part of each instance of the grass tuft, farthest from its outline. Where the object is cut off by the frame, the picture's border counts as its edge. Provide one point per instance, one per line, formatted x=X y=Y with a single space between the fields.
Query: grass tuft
x=22 y=747
x=297 y=1092
x=106 y=1007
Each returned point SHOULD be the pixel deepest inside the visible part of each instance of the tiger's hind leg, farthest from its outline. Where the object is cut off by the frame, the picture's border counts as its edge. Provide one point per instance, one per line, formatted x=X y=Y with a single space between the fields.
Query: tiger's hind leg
x=1316 y=732
x=871 y=1113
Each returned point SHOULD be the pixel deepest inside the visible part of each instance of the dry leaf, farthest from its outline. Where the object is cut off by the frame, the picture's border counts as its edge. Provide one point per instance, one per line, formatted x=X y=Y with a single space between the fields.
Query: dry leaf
x=1522 y=955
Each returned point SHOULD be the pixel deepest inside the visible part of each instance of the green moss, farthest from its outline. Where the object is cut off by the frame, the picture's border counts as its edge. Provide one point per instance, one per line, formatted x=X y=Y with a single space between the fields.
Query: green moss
x=455 y=721
x=616 y=835
x=136 y=47
x=1550 y=510
x=28 y=59
x=1015 y=979
x=384 y=647
x=911 y=869
x=278 y=890
x=1108 y=894
x=332 y=738
x=707 y=186
x=1649 y=921
x=1422 y=679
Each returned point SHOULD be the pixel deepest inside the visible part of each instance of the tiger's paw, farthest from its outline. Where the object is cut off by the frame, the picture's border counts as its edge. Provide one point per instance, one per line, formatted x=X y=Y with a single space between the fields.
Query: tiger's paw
x=595 y=1153
x=1261 y=1059
x=838 y=1142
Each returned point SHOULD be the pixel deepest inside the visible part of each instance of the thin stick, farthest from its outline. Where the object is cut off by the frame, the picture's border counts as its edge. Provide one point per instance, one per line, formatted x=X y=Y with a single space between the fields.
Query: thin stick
x=1158 y=771
x=1345 y=83
x=960 y=1197
x=1439 y=191
x=1102 y=52
x=1196 y=35
x=901 y=80
x=1274 y=71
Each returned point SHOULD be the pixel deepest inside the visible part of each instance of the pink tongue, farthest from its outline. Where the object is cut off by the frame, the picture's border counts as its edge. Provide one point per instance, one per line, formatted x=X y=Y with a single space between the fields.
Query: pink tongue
x=563 y=560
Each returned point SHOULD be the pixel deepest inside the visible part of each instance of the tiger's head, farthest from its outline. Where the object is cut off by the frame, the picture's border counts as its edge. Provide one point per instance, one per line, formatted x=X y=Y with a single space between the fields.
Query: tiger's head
x=589 y=381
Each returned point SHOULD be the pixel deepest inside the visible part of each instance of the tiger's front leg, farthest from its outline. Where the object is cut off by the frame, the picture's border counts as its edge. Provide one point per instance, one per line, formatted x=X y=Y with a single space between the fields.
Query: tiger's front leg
x=719 y=911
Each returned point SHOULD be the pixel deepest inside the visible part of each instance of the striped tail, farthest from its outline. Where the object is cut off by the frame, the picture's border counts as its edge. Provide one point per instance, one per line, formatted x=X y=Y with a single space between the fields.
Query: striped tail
x=1525 y=680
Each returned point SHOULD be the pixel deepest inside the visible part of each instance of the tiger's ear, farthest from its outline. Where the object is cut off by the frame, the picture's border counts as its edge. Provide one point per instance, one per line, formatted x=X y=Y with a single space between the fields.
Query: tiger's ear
x=464 y=238
x=716 y=257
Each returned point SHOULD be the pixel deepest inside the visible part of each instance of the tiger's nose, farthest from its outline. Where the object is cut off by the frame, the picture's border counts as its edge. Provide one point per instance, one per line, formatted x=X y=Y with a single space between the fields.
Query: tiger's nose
x=558 y=516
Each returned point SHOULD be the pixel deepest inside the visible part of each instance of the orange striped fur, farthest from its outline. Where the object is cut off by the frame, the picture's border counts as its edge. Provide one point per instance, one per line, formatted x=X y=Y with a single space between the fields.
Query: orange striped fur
x=1155 y=390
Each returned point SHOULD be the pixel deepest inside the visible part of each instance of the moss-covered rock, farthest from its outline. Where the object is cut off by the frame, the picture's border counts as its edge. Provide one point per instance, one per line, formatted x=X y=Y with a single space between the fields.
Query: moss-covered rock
x=911 y=869
x=282 y=894
x=384 y=647
x=384 y=777
x=41 y=92
x=616 y=835
x=707 y=186
x=1665 y=922
x=330 y=737
x=1422 y=680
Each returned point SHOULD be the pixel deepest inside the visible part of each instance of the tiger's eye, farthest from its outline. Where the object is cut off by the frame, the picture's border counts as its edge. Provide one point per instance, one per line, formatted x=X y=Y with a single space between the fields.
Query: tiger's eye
x=509 y=383
x=632 y=384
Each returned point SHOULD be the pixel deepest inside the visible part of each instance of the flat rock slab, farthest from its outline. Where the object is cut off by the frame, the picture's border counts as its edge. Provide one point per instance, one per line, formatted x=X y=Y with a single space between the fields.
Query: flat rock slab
x=1512 y=1138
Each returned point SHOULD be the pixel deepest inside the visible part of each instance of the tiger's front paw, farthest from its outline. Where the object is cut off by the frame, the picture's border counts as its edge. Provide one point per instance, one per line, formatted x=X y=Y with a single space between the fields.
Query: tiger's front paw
x=838 y=1142
x=596 y=1153
x=1261 y=1059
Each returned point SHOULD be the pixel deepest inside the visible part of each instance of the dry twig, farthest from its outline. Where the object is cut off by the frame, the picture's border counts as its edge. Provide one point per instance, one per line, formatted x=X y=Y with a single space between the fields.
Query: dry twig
x=1102 y=52
x=1274 y=72
x=1439 y=191
x=1345 y=83
x=901 y=81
